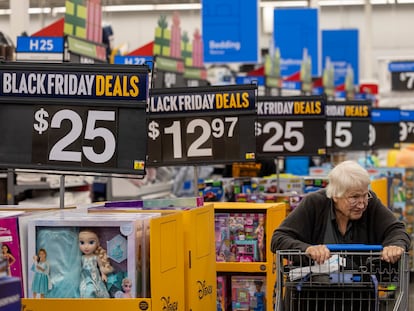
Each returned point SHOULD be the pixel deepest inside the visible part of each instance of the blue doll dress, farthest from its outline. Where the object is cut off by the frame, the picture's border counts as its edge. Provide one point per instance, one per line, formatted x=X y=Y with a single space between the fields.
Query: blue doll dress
x=91 y=283
x=40 y=283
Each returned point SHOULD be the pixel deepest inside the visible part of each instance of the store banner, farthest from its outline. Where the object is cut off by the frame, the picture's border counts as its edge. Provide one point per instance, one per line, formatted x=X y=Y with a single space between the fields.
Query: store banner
x=296 y=34
x=340 y=49
x=230 y=31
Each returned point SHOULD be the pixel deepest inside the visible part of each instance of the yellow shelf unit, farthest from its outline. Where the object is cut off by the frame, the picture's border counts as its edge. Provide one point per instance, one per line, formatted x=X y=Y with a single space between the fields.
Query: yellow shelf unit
x=275 y=214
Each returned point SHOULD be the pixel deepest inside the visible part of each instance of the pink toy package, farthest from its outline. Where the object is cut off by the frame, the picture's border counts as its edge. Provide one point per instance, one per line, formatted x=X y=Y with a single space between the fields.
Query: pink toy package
x=10 y=245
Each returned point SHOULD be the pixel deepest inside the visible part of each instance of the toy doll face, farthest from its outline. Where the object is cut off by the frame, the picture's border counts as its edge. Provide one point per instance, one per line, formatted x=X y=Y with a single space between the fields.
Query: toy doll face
x=4 y=249
x=127 y=287
x=88 y=242
x=42 y=255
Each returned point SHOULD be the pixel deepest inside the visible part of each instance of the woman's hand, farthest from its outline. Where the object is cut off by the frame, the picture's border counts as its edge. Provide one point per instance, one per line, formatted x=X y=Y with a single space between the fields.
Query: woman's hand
x=392 y=253
x=318 y=253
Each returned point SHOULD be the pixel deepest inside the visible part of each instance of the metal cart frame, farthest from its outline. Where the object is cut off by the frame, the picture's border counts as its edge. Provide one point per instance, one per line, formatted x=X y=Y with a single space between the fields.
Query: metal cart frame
x=353 y=279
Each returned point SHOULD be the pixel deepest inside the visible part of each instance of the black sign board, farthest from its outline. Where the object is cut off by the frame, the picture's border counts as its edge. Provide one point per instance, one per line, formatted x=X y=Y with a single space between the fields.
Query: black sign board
x=73 y=117
x=384 y=132
x=407 y=126
x=168 y=72
x=347 y=125
x=293 y=125
x=201 y=125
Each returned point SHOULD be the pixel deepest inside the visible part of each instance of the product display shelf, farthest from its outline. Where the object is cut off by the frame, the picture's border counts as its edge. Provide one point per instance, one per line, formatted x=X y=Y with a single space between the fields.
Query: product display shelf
x=275 y=214
x=166 y=276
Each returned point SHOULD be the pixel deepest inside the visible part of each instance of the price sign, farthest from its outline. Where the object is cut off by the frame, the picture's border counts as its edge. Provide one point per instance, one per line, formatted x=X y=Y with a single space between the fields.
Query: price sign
x=384 y=131
x=168 y=72
x=407 y=126
x=402 y=75
x=290 y=126
x=61 y=130
x=201 y=125
x=347 y=125
x=83 y=136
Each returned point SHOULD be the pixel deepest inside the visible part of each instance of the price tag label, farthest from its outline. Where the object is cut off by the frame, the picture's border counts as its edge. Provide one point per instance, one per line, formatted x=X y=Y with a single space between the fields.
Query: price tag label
x=290 y=126
x=402 y=75
x=73 y=117
x=384 y=131
x=407 y=126
x=201 y=125
x=347 y=125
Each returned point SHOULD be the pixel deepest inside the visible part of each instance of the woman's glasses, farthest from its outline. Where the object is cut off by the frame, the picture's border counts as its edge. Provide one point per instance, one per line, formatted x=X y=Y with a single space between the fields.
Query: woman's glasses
x=355 y=199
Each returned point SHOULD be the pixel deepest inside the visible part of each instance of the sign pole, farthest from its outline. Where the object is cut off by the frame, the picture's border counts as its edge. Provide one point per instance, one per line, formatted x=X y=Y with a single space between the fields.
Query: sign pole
x=195 y=180
x=62 y=191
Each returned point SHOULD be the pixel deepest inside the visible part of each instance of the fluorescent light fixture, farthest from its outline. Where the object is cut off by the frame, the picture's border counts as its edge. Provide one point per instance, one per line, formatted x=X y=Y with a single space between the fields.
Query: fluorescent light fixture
x=281 y=4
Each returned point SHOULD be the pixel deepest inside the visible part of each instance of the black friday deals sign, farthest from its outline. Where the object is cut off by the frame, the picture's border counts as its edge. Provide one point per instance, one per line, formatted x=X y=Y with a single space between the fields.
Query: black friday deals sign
x=88 y=118
x=201 y=125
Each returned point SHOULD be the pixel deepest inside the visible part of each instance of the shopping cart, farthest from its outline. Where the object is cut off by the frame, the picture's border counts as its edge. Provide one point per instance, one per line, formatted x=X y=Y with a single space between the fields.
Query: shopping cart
x=355 y=278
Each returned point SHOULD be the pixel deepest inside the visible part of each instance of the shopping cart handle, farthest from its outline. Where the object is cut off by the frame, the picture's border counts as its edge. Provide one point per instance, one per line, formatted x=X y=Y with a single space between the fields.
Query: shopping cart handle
x=353 y=247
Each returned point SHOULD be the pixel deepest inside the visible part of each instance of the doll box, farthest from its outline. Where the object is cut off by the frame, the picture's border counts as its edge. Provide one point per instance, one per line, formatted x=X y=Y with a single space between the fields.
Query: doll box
x=122 y=237
x=10 y=289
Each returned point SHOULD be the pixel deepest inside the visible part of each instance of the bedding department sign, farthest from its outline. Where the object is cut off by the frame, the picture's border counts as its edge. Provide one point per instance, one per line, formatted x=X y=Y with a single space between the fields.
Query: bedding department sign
x=73 y=117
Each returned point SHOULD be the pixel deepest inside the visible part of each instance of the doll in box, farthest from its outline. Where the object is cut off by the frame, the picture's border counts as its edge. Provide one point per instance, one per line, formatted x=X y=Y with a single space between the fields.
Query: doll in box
x=7 y=255
x=41 y=280
x=95 y=266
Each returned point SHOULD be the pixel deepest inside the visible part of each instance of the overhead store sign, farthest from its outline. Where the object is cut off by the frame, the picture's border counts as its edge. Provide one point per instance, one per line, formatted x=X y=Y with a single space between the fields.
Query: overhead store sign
x=230 y=31
x=293 y=125
x=67 y=117
x=296 y=34
x=39 y=48
x=347 y=125
x=340 y=49
x=384 y=130
x=201 y=125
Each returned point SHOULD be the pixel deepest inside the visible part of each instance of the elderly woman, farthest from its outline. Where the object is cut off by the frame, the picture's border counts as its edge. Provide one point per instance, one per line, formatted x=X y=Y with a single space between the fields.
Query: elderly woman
x=345 y=212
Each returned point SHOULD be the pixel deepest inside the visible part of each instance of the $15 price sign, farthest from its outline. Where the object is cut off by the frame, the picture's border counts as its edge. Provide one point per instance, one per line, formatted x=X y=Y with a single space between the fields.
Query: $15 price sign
x=201 y=125
x=79 y=136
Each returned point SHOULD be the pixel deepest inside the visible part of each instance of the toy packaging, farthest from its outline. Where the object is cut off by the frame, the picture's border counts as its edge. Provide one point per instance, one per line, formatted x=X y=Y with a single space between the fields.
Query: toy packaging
x=221 y=293
x=10 y=298
x=76 y=255
x=248 y=293
x=11 y=264
x=240 y=237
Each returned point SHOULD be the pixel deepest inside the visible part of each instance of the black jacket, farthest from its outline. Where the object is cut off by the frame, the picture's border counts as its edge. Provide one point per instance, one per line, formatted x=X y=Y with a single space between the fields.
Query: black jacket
x=306 y=224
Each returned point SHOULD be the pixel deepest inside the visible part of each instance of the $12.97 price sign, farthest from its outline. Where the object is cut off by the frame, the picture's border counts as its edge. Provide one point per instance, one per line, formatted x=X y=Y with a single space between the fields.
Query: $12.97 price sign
x=201 y=125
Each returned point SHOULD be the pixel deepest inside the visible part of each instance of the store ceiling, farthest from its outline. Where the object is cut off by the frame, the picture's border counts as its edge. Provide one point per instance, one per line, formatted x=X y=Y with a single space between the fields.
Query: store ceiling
x=5 y=4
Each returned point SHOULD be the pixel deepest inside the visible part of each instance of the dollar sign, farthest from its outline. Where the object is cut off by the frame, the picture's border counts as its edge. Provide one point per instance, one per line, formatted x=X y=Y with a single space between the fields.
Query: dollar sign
x=153 y=131
x=40 y=117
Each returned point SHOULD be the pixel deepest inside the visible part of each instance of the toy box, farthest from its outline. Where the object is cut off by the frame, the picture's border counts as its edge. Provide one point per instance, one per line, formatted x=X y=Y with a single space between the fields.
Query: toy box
x=240 y=237
x=248 y=293
x=10 y=289
x=63 y=263
x=221 y=293
x=10 y=244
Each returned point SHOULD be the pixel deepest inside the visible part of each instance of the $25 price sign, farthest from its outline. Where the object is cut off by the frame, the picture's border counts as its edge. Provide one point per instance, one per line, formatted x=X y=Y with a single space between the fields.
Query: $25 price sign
x=200 y=125
x=83 y=136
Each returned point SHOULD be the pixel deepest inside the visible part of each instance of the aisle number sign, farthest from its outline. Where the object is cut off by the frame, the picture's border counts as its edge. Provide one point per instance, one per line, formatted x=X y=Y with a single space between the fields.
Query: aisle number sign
x=347 y=125
x=290 y=126
x=201 y=125
x=85 y=118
